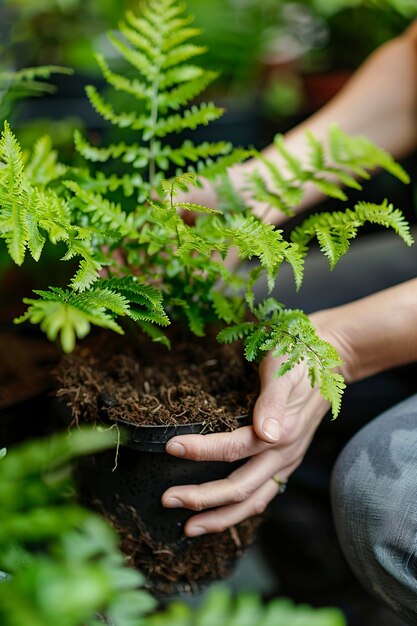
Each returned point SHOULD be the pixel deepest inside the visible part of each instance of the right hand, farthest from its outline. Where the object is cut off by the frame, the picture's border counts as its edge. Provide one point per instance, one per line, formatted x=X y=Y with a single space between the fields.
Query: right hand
x=286 y=416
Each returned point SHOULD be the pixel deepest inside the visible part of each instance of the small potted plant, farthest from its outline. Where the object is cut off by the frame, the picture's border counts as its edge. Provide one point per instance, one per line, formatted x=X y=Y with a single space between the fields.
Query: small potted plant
x=158 y=282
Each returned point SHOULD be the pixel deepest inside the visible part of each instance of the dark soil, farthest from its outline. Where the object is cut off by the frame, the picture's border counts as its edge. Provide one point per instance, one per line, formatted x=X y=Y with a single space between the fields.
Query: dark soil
x=112 y=378
x=201 y=561
x=144 y=383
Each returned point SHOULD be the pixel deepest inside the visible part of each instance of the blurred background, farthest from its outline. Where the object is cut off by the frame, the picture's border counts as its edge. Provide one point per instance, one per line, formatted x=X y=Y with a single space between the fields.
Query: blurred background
x=279 y=60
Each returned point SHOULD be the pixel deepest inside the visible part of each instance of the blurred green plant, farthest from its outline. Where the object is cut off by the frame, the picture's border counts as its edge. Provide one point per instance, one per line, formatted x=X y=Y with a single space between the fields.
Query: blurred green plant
x=30 y=81
x=60 y=31
x=221 y=608
x=62 y=561
x=63 y=565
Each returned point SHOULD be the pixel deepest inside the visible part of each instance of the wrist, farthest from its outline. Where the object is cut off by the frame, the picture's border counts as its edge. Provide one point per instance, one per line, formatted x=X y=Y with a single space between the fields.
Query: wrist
x=331 y=328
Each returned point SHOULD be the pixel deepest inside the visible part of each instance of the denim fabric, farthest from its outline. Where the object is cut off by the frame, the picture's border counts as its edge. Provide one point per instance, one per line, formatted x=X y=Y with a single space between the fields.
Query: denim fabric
x=374 y=501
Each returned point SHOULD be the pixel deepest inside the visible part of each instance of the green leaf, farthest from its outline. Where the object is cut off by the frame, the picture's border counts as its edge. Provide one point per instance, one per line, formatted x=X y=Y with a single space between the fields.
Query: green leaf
x=234 y=333
x=254 y=342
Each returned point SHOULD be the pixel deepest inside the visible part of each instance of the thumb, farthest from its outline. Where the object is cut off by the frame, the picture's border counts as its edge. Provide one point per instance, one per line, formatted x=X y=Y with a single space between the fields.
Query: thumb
x=270 y=407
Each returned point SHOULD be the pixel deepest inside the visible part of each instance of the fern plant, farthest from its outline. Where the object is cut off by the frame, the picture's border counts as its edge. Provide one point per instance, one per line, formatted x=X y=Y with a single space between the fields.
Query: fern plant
x=120 y=217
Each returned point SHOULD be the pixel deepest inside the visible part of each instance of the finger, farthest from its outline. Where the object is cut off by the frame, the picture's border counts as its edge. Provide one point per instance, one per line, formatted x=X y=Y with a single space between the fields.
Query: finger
x=231 y=446
x=270 y=407
x=237 y=487
x=217 y=520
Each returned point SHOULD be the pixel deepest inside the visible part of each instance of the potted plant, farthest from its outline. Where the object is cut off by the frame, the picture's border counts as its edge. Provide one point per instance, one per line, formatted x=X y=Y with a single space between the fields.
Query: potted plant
x=159 y=282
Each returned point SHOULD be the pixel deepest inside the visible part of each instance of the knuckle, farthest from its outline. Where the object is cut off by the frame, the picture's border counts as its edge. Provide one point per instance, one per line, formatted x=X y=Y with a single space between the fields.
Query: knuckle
x=198 y=451
x=233 y=450
x=198 y=500
x=259 y=507
x=270 y=403
x=197 y=503
x=240 y=494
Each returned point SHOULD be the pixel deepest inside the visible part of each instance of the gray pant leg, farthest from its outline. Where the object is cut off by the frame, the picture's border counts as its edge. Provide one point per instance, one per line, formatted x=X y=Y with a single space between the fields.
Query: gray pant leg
x=374 y=500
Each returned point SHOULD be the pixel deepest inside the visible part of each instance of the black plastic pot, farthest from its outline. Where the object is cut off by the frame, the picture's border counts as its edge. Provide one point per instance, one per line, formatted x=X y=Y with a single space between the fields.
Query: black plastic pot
x=144 y=471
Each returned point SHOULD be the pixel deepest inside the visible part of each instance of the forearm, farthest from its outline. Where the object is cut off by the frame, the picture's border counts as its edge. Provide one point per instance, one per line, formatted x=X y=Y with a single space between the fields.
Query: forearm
x=374 y=333
x=379 y=101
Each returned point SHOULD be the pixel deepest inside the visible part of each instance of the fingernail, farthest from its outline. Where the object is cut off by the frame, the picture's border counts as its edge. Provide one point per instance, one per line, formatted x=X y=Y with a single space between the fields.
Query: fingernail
x=176 y=449
x=195 y=531
x=272 y=429
x=173 y=502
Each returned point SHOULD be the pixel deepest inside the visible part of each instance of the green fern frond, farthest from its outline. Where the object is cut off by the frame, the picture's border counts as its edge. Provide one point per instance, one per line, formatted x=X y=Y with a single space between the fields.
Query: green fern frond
x=335 y=230
x=135 y=57
x=228 y=199
x=179 y=182
x=254 y=238
x=135 y=291
x=193 y=153
x=128 y=153
x=260 y=192
x=155 y=333
x=218 y=167
x=254 y=342
x=195 y=208
x=129 y=183
x=328 y=188
x=290 y=190
x=138 y=40
x=88 y=271
x=12 y=158
x=292 y=162
x=123 y=120
x=384 y=214
x=41 y=71
x=268 y=311
x=185 y=93
x=141 y=25
x=43 y=166
x=360 y=154
x=102 y=211
x=235 y=333
x=150 y=316
x=295 y=257
x=145 y=302
x=195 y=319
x=182 y=53
x=197 y=115
x=136 y=88
x=290 y=334
x=69 y=315
x=180 y=74
x=317 y=155
x=178 y=37
x=349 y=158
x=224 y=307
x=25 y=210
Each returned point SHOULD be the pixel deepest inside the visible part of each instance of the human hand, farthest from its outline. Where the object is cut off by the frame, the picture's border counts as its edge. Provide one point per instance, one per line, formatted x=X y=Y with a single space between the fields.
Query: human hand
x=285 y=418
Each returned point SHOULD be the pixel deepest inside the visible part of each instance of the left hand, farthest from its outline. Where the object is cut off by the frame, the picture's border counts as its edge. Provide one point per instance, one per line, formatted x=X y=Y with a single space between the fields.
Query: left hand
x=286 y=416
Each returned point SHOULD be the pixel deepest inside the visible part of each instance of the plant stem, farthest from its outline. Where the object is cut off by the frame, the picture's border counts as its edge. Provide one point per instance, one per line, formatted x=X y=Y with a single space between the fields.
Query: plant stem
x=154 y=121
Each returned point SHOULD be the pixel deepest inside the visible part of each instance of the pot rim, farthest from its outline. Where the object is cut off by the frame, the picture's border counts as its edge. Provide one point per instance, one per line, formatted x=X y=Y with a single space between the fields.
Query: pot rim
x=152 y=438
